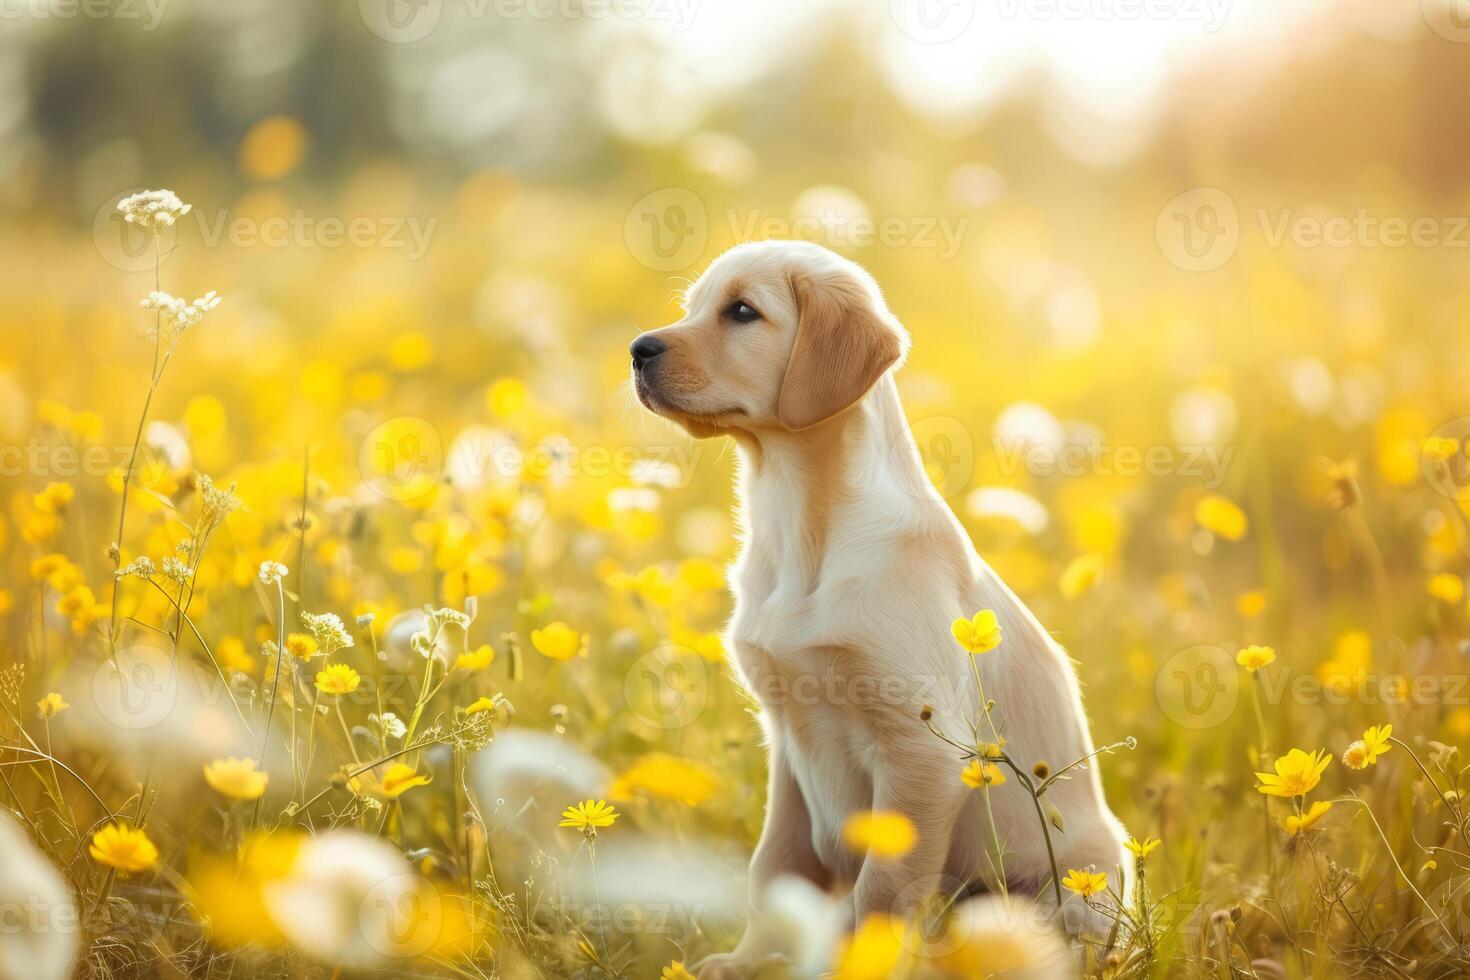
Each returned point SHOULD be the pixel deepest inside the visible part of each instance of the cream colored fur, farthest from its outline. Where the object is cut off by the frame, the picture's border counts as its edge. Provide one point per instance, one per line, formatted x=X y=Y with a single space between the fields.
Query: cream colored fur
x=851 y=571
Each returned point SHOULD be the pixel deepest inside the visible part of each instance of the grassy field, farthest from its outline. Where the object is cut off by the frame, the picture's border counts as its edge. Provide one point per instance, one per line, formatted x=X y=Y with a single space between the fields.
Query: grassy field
x=324 y=595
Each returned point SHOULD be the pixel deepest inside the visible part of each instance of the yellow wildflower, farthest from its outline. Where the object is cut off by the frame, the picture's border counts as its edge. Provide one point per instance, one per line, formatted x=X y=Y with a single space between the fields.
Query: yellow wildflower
x=1297 y=773
x=47 y=565
x=559 y=641
x=676 y=971
x=1222 y=517
x=975 y=776
x=54 y=497
x=669 y=777
x=1253 y=658
x=979 y=634
x=1085 y=883
x=479 y=705
x=401 y=778
x=699 y=575
x=119 y=846
x=300 y=645
x=874 y=950
x=655 y=586
x=1365 y=752
x=1144 y=848
x=81 y=606
x=476 y=660
x=1081 y=575
x=882 y=833
x=1447 y=587
x=337 y=679
x=589 y=815
x=230 y=652
x=1296 y=824
x=50 y=706
x=506 y=397
x=39 y=527
x=239 y=779
x=1376 y=739
x=1251 y=604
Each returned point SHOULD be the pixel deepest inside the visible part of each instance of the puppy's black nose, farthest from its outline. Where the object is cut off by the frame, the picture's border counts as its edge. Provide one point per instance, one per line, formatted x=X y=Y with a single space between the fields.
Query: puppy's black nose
x=645 y=349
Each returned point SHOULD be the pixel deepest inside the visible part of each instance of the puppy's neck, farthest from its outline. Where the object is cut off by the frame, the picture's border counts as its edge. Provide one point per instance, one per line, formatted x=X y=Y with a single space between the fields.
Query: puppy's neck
x=857 y=469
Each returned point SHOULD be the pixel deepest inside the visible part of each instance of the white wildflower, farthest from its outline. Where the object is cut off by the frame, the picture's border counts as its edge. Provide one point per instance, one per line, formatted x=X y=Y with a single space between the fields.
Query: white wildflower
x=328 y=631
x=141 y=567
x=153 y=210
x=390 y=724
x=176 y=570
x=271 y=572
x=177 y=315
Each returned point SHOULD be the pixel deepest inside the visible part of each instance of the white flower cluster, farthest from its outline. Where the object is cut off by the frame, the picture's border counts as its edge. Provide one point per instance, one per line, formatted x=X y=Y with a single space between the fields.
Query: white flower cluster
x=141 y=567
x=328 y=631
x=153 y=210
x=391 y=726
x=178 y=315
x=272 y=572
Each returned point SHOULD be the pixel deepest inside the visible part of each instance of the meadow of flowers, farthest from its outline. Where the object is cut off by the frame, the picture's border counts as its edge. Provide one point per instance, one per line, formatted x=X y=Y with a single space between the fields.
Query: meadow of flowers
x=355 y=620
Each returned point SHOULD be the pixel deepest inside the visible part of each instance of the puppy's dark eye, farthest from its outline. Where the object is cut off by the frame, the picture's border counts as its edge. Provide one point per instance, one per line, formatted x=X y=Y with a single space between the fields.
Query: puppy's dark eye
x=742 y=312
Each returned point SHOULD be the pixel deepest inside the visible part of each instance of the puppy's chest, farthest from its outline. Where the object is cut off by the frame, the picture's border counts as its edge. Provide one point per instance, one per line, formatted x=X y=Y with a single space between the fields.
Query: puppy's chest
x=784 y=619
x=786 y=614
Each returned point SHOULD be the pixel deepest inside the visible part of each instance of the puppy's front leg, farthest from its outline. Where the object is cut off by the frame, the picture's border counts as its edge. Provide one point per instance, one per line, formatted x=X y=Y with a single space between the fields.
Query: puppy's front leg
x=785 y=847
x=930 y=795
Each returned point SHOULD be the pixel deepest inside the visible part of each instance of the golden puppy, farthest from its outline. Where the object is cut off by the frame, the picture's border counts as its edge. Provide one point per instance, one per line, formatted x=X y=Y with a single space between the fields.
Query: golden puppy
x=852 y=570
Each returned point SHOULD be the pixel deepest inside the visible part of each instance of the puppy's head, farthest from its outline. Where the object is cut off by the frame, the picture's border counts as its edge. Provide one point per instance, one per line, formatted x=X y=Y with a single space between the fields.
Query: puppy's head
x=775 y=335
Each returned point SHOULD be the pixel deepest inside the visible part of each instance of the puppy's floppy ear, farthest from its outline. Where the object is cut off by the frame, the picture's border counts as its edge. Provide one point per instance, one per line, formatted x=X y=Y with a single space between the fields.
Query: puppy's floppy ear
x=843 y=345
